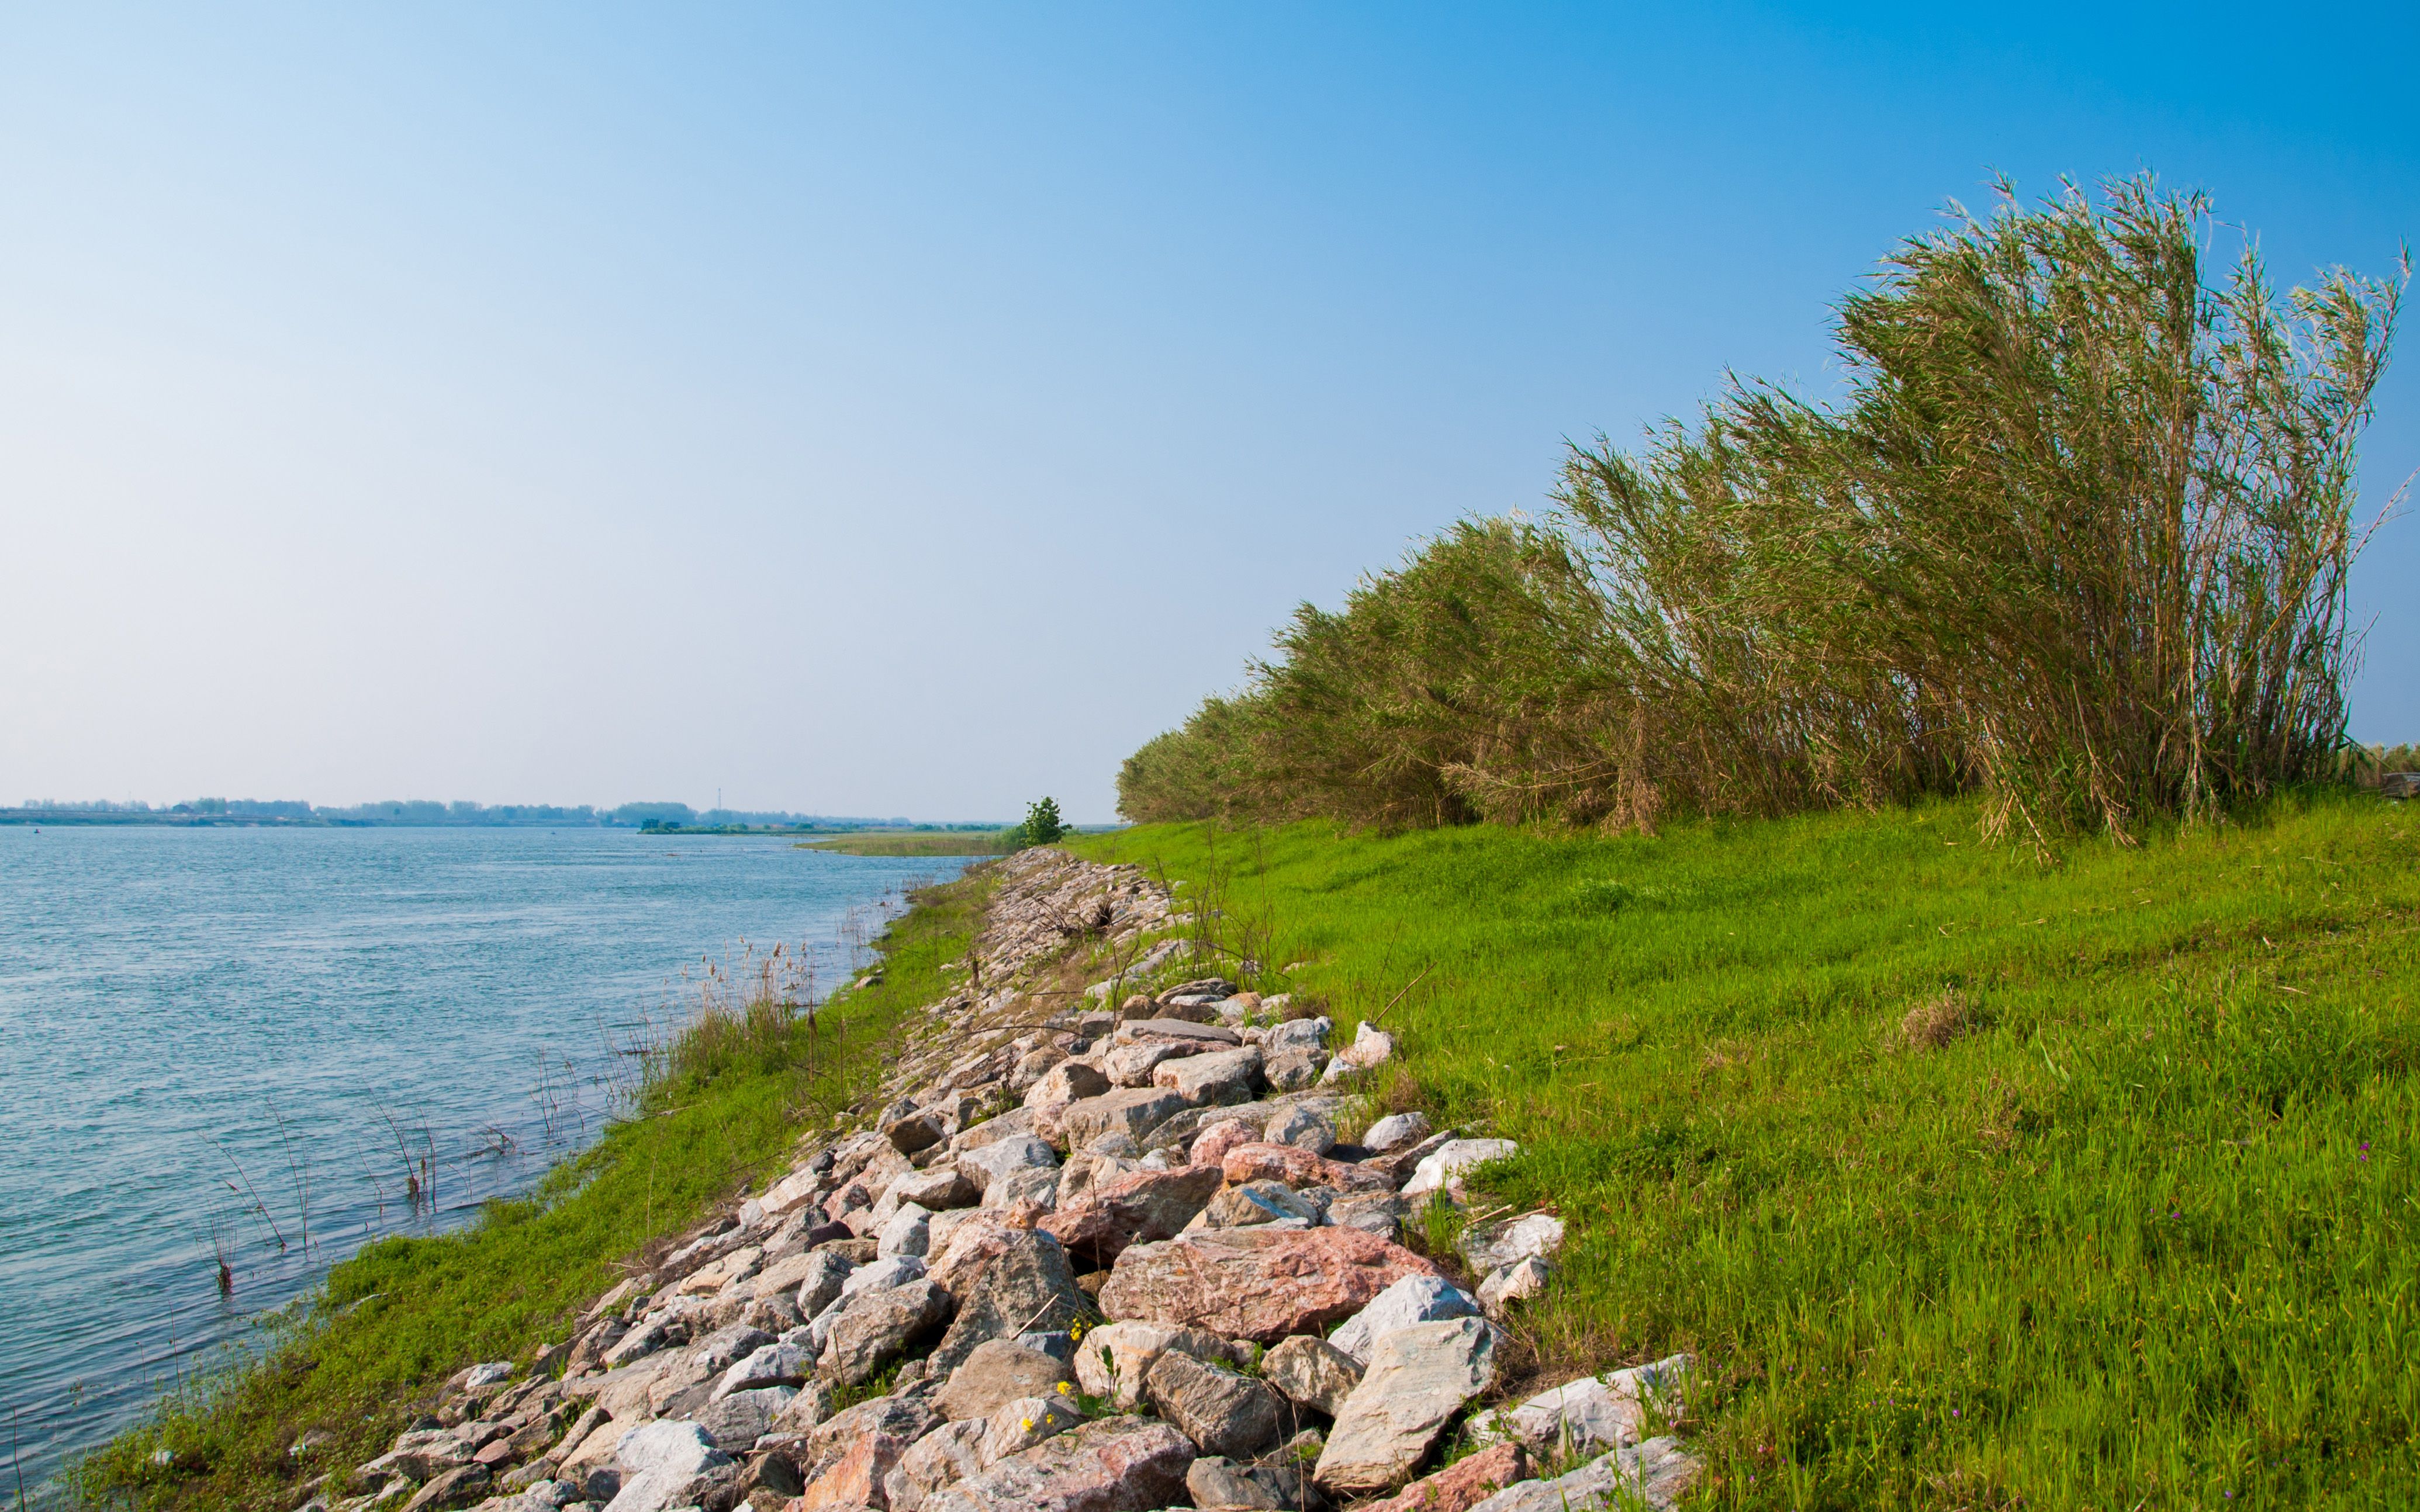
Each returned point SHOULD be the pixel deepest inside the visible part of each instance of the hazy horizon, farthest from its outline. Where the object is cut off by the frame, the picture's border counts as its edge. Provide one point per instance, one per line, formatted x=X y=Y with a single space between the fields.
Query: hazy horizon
x=911 y=411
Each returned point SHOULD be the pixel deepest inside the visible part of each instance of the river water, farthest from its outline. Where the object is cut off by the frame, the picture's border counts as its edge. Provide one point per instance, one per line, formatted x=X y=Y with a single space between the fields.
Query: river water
x=232 y=1045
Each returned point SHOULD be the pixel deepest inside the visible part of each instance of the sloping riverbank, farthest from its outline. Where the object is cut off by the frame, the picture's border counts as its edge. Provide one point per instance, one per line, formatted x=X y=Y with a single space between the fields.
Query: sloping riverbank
x=1893 y=1170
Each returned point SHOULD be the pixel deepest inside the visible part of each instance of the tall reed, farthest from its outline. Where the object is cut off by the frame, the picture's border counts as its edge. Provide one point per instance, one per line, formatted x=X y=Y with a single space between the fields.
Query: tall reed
x=2076 y=534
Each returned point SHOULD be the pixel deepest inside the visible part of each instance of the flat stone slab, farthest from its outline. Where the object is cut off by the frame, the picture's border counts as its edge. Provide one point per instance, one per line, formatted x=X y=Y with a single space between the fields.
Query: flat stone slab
x=1420 y=1378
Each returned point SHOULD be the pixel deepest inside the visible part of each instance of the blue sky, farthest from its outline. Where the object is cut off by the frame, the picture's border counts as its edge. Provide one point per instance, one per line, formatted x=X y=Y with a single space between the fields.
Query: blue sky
x=911 y=409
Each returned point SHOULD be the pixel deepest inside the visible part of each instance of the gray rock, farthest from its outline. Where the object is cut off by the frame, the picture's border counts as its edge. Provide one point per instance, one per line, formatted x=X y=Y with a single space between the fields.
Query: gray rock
x=1028 y=1285
x=1296 y=1034
x=825 y=1274
x=1226 y=1077
x=1372 y=1212
x=1312 y=1372
x=1223 y=1413
x=1415 y=1299
x=1418 y=1380
x=994 y=1372
x=1293 y=1070
x=909 y=1231
x=736 y=1422
x=1035 y=1186
x=1302 y=1128
x=876 y=1327
x=1058 y=1344
x=1654 y=1474
x=1002 y=1156
x=1498 y=1245
x=1584 y=1418
x=774 y=1365
x=1396 y=1132
x=659 y=1460
x=1514 y=1283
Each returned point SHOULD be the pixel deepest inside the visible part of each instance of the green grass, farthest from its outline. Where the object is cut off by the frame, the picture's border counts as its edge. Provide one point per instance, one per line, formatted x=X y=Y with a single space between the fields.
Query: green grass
x=2145 y=1233
x=916 y=842
x=719 y=1115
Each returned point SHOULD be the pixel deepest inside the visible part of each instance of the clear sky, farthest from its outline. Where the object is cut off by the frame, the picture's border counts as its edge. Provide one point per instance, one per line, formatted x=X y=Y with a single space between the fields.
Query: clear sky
x=910 y=409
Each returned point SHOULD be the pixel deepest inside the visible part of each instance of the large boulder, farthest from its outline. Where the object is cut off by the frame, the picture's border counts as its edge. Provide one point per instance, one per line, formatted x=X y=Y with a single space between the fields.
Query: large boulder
x=1227 y=1076
x=1023 y=1284
x=876 y=1327
x=1312 y=1372
x=1131 y=1209
x=1654 y=1474
x=1133 y=1111
x=1113 y=1464
x=1259 y=1284
x=937 y=1190
x=1419 y=1378
x=1114 y=1361
x=1415 y=1299
x=1224 y=1414
x=994 y=1372
x=774 y=1365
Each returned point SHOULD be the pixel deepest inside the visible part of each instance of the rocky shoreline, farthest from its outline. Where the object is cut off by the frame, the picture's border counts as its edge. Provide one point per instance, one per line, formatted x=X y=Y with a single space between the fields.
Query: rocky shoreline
x=1106 y=1248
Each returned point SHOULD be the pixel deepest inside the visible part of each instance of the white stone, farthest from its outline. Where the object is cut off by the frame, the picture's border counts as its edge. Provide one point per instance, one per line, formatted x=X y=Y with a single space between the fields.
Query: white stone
x=1415 y=1299
x=658 y=1460
x=1496 y=1246
x=1442 y=1169
x=1003 y=1156
x=1419 y=1379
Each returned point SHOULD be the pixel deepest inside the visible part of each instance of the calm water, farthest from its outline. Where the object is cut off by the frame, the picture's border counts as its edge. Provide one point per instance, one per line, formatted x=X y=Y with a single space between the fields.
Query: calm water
x=216 y=1043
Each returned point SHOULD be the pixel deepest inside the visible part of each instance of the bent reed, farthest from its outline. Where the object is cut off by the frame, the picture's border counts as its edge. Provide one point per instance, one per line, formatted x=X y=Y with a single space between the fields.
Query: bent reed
x=2076 y=537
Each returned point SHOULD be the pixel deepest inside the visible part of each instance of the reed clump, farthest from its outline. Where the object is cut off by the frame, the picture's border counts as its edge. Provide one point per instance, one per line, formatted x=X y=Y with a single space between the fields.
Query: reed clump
x=2075 y=536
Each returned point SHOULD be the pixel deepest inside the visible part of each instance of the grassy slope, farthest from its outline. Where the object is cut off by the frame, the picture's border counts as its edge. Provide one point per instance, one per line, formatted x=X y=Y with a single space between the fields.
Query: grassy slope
x=498 y=1290
x=2144 y=1235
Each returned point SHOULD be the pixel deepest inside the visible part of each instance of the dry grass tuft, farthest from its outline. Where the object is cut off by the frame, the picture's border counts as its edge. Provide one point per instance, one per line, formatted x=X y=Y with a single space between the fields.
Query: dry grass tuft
x=1931 y=1024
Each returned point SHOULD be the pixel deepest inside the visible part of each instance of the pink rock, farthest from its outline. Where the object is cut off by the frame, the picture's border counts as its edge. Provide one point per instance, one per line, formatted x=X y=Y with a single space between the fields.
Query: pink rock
x=1256 y=1283
x=1144 y=1206
x=1297 y=1167
x=1460 y=1486
x=1213 y=1142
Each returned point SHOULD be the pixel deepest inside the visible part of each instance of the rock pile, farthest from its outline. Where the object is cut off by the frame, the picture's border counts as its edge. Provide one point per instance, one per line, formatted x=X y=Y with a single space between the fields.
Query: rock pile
x=1086 y=1260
